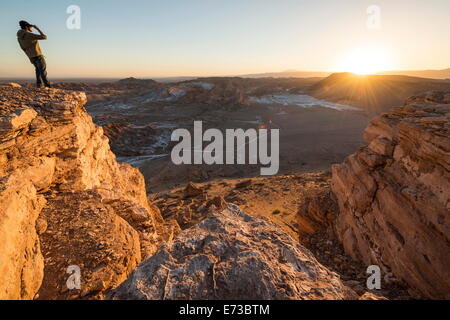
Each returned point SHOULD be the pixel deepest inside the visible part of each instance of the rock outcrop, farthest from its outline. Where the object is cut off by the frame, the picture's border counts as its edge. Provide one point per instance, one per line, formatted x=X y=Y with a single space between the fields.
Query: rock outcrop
x=393 y=195
x=64 y=200
x=320 y=207
x=231 y=255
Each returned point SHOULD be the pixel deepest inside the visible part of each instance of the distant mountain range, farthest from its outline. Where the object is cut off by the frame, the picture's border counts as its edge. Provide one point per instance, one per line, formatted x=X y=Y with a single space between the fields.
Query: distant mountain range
x=289 y=74
x=433 y=74
x=430 y=74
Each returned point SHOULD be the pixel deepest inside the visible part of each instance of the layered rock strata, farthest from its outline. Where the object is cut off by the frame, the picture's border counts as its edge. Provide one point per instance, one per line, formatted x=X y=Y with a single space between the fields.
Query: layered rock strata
x=61 y=190
x=393 y=195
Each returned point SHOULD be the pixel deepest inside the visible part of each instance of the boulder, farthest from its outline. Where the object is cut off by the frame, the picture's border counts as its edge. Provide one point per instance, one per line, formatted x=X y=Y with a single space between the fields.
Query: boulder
x=232 y=255
x=192 y=190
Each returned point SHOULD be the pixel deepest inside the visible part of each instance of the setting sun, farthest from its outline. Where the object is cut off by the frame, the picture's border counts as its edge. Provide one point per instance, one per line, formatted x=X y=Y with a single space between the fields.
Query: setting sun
x=365 y=61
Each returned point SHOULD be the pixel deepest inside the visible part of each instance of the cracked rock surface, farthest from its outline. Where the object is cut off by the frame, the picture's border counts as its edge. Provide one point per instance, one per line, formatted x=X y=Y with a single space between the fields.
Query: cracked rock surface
x=232 y=255
x=393 y=195
x=65 y=200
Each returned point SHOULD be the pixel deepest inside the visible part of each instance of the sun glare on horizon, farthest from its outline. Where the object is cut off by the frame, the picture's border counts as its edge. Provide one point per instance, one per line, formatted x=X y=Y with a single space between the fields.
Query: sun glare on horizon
x=364 y=61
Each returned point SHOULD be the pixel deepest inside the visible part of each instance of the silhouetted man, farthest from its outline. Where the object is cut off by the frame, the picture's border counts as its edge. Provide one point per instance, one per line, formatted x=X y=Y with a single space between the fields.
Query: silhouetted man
x=29 y=43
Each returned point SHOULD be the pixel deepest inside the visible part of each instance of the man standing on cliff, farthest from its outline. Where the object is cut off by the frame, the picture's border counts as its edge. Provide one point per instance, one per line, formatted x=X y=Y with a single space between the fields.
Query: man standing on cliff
x=29 y=43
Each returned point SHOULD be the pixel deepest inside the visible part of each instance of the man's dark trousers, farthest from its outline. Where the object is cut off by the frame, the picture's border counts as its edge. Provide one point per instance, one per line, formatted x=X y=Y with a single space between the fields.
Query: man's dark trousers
x=41 y=71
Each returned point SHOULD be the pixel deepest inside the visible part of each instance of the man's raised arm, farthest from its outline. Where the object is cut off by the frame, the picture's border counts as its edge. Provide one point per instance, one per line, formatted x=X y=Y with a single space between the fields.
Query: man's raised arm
x=40 y=36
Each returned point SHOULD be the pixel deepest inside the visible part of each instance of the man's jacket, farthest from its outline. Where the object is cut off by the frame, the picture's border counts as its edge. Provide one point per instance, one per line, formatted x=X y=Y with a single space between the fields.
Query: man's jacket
x=29 y=43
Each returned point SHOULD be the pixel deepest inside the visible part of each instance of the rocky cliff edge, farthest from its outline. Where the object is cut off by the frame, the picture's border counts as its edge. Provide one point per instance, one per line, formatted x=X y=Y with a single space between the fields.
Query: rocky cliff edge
x=393 y=195
x=66 y=201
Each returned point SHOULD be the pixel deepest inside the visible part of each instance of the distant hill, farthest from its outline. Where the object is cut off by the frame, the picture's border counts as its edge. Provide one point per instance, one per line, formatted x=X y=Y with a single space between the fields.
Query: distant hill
x=289 y=74
x=374 y=93
x=433 y=74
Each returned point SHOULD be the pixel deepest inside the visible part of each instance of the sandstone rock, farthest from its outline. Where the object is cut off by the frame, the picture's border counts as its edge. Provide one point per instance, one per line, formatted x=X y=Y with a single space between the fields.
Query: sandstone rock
x=394 y=195
x=16 y=120
x=232 y=255
x=371 y=296
x=41 y=225
x=244 y=184
x=86 y=232
x=21 y=261
x=193 y=190
x=50 y=148
x=141 y=220
x=320 y=207
x=218 y=202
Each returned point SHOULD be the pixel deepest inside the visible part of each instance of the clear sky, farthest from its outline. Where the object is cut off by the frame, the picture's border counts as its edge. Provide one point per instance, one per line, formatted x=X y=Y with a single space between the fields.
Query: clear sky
x=145 y=38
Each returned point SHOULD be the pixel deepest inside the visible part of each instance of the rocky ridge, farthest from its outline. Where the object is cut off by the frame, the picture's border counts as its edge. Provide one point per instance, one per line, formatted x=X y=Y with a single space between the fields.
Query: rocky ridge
x=66 y=201
x=393 y=195
x=60 y=184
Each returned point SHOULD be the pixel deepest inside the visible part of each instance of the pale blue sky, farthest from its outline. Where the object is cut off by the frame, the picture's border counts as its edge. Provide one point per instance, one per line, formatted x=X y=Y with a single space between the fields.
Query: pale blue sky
x=145 y=38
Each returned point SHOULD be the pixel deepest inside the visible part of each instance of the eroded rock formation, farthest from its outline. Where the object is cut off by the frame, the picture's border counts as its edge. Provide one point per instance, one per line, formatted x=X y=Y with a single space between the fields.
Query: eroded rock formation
x=394 y=195
x=232 y=255
x=65 y=200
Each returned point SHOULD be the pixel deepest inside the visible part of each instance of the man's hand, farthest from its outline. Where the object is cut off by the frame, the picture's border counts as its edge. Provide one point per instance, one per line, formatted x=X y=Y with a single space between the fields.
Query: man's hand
x=40 y=32
x=37 y=29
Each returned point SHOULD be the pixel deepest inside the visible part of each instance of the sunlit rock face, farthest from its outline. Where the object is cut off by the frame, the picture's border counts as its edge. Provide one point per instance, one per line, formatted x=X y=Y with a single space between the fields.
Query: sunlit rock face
x=393 y=194
x=60 y=179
